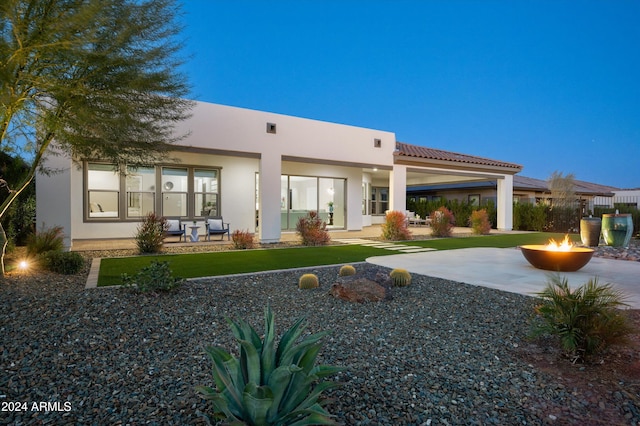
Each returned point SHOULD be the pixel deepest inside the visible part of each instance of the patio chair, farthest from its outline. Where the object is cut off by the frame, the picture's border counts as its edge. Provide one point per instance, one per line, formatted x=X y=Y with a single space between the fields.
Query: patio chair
x=176 y=227
x=216 y=226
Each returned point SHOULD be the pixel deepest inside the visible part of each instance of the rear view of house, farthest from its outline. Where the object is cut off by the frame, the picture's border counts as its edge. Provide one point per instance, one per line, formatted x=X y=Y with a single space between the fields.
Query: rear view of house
x=261 y=171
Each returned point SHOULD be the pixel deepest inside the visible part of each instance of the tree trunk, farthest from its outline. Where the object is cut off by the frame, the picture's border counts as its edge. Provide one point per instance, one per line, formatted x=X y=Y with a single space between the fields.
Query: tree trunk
x=3 y=243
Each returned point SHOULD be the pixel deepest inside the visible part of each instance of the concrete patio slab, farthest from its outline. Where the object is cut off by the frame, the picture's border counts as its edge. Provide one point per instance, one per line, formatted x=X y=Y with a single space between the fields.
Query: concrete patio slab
x=506 y=269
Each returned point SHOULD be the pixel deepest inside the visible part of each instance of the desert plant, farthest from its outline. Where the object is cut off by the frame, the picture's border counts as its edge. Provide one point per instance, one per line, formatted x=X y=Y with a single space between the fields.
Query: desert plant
x=154 y=278
x=586 y=319
x=44 y=240
x=442 y=222
x=269 y=385
x=242 y=240
x=150 y=235
x=347 y=270
x=312 y=230
x=63 y=262
x=395 y=226
x=308 y=281
x=400 y=277
x=479 y=222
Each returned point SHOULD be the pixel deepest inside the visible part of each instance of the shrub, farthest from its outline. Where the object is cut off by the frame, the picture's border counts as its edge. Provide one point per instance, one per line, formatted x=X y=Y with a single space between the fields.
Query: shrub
x=586 y=318
x=347 y=270
x=63 y=262
x=242 y=240
x=269 y=385
x=395 y=226
x=47 y=239
x=150 y=234
x=152 y=279
x=442 y=222
x=308 y=281
x=529 y=217
x=461 y=210
x=400 y=277
x=312 y=230
x=479 y=222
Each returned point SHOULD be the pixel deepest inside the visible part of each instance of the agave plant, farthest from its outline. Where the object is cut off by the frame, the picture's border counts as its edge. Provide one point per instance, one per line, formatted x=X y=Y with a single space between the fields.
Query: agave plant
x=269 y=385
x=586 y=319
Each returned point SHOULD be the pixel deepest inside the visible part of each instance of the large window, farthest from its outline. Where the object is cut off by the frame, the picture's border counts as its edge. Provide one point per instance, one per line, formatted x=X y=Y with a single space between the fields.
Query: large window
x=141 y=191
x=205 y=188
x=366 y=198
x=379 y=200
x=175 y=188
x=186 y=192
x=301 y=194
x=103 y=191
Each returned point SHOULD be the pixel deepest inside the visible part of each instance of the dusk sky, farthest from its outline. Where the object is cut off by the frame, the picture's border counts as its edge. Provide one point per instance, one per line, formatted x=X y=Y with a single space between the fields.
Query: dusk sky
x=551 y=85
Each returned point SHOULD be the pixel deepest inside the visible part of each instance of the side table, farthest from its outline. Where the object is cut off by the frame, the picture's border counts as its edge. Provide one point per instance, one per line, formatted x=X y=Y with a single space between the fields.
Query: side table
x=194 y=237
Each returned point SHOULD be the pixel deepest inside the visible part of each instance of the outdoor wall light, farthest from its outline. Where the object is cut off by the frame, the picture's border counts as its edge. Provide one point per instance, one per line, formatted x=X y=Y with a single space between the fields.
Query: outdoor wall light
x=271 y=127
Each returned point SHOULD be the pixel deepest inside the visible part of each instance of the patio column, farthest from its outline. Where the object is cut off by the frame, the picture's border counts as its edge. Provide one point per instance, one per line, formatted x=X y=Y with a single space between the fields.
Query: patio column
x=505 y=203
x=269 y=210
x=398 y=188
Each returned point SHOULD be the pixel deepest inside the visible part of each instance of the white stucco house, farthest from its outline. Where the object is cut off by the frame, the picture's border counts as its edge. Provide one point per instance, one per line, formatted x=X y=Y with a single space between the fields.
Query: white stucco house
x=260 y=171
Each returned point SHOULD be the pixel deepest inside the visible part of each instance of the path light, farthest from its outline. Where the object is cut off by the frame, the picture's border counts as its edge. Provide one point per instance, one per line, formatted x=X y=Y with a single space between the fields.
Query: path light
x=23 y=265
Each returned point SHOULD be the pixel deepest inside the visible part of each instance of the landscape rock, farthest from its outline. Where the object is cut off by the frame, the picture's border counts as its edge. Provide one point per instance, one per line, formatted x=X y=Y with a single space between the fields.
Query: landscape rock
x=371 y=285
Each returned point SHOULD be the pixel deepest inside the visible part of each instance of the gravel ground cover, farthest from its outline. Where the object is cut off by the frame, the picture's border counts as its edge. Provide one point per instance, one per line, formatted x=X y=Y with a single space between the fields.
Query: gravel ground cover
x=439 y=353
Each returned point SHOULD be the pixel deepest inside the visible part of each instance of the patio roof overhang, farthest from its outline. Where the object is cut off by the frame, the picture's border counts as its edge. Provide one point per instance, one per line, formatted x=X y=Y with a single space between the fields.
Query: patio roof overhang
x=423 y=157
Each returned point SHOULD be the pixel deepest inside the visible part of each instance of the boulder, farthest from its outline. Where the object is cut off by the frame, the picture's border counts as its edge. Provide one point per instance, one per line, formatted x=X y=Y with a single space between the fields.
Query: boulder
x=361 y=288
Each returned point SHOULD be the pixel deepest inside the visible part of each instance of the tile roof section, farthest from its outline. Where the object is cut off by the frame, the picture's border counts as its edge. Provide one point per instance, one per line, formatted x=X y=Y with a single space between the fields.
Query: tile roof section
x=407 y=150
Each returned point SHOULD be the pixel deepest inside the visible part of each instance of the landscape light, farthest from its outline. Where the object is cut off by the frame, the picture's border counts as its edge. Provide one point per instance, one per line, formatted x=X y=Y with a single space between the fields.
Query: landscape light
x=23 y=264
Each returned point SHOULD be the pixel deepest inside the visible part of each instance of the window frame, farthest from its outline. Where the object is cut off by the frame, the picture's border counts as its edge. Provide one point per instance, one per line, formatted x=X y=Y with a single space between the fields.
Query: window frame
x=123 y=194
x=141 y=192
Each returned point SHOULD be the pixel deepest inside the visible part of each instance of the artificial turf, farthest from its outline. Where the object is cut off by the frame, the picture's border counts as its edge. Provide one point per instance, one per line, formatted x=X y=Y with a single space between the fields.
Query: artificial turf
x=235 y=262
x=194 y=265
x=494 y=240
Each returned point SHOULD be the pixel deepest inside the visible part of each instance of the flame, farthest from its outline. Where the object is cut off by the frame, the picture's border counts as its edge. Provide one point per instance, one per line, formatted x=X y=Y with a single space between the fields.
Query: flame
x=565 y=245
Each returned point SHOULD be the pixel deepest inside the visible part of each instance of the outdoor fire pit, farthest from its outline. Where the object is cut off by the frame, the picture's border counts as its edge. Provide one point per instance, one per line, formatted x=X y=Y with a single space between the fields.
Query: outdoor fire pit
x=563 y=257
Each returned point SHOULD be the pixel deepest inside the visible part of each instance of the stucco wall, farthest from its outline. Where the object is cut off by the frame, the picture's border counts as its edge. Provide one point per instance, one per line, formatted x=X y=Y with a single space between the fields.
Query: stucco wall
x=53 y=196
x=237 y=129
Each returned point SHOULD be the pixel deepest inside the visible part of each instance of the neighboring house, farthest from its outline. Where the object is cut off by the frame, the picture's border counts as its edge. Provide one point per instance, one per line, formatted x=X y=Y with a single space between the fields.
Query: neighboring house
x=525 y=190
x=261 y=171
x=626 y=197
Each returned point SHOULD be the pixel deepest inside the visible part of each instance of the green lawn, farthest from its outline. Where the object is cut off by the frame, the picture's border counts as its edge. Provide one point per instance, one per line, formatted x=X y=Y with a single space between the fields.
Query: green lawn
x=235 y=262
x=500 y=241
x=246 y=261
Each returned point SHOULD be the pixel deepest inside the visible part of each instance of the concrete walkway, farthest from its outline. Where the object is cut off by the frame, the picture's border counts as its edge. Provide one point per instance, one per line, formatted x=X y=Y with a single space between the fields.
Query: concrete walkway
x=507 y=269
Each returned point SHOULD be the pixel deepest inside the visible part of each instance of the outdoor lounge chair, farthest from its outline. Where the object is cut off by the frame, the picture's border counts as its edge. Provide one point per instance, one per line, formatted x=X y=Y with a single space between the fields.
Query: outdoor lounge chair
x=216 y=226
x=176 y=227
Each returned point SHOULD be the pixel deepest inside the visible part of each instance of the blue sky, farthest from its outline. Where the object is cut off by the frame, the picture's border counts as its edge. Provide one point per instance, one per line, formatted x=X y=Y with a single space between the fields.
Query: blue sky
x=550 y=85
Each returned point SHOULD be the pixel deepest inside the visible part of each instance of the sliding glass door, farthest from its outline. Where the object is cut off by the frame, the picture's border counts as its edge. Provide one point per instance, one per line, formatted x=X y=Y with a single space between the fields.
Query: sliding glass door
x=301 y=194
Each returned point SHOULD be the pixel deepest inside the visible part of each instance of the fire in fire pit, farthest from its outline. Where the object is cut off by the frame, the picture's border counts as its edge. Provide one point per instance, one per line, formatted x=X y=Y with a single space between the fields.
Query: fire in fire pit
x=563 y=256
